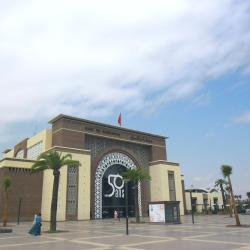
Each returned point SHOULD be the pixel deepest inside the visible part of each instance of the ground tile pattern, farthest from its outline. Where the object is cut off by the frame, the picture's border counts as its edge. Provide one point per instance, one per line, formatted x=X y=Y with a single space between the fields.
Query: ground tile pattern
x=208 y=232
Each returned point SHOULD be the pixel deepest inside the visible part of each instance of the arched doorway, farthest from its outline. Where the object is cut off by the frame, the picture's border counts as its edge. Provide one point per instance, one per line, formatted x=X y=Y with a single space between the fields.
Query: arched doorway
x=109 y=186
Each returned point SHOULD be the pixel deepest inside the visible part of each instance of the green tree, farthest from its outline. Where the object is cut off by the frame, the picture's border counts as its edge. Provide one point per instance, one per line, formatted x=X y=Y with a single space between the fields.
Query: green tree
x=227 y=171
x=221 y=184
x=248 y=195
x=53 y=161
x=135 y=176
x=6 y=188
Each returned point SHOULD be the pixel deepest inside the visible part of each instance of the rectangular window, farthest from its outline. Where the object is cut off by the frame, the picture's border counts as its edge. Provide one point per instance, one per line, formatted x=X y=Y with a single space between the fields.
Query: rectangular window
x=171 y=184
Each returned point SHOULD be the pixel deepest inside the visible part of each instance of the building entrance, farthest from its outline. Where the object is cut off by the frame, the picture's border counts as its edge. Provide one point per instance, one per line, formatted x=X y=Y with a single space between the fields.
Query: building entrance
x=109 y=186
x=114 y=192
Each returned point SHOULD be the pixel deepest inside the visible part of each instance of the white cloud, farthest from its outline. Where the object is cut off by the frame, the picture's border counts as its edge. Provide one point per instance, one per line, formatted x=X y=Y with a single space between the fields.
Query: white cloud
x=89 y=58
x=204 y=181
x=242 y=118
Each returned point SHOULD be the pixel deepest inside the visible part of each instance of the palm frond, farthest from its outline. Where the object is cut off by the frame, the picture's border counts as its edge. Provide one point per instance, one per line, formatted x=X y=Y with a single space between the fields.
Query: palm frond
x=136 y=175
x=71 y=162
x=66 y=157
x=220 y=182
x=40 y=165
x=53 y=160
x=226 y=170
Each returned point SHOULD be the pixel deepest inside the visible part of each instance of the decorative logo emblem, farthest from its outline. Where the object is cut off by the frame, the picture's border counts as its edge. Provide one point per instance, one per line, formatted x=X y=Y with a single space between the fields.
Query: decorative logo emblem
x=117 y=184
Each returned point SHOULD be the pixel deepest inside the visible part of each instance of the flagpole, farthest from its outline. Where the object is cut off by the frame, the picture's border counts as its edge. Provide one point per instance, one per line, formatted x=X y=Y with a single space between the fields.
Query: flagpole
x=120 y=119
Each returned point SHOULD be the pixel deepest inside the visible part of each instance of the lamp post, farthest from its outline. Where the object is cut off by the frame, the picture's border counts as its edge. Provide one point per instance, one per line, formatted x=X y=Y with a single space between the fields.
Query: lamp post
x=19 y=210
x=126 y=203
x=192 y=210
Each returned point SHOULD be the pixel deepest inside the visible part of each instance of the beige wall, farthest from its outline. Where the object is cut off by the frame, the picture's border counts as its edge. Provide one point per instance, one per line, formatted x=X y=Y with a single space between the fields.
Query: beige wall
x=45 y=136
x=199 y=200
x=16 y=163
x=159 y=187
x=48 y=180
x=217 y=195
x=47 y=194
x=10 y=154
x=83 y=189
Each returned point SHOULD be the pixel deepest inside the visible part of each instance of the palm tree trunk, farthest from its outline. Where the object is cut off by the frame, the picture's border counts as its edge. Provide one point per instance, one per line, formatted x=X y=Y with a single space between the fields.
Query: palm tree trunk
x=233 y=201
x=230 y=206
x=223 y=197
x=53 y=210
x=137 y=217
x=5 y=210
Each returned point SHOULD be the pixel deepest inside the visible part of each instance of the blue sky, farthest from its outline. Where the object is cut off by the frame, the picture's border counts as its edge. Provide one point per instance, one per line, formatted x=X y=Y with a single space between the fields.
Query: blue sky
x=168 y=67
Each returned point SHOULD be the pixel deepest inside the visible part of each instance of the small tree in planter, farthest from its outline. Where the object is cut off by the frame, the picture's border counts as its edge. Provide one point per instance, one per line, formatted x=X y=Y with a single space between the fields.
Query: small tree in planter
x=227 y=171
x=135 y=176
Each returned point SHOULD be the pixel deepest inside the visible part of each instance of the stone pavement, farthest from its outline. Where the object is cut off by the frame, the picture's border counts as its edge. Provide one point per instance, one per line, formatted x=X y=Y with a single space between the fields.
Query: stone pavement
x=209 y=232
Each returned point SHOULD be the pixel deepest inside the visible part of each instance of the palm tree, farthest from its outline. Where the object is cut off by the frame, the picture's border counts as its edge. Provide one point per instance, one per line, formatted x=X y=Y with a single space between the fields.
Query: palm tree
x=136 y=175
x=53 y=161
x=248 y=195
x=220 y=183
x=229 y=200
x=227 y=171
x=6 y=187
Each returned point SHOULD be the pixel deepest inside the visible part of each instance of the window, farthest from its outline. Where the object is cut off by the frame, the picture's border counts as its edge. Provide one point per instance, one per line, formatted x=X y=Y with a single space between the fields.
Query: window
x=35 y=150
x=72 y=192
x=171 y=184
x=20 y=154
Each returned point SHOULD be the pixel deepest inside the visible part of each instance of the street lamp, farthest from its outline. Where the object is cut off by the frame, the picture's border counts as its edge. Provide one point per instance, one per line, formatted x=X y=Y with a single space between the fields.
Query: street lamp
x=192 y=209
x=19 y=210
x=126 y=203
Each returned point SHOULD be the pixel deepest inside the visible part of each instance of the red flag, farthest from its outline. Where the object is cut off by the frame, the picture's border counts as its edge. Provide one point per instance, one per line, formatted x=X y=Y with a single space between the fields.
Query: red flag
x=120 y=119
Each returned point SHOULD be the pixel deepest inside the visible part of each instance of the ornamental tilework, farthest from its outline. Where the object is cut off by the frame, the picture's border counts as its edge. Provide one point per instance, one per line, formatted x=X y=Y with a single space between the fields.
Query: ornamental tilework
x=72 y=190
x=98 y=145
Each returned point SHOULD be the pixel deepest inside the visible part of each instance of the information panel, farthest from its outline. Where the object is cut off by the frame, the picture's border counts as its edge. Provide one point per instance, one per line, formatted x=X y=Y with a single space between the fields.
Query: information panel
x=157 y=212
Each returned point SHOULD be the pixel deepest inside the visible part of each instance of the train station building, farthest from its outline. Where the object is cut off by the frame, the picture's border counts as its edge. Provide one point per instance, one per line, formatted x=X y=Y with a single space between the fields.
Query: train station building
x=96 y=188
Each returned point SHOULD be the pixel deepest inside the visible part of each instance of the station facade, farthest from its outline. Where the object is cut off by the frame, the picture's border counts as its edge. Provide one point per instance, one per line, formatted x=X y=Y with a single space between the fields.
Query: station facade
x=96 y=188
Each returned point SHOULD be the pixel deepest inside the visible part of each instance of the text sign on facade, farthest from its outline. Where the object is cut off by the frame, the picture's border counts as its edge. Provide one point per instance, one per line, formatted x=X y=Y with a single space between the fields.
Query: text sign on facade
x=117 y=186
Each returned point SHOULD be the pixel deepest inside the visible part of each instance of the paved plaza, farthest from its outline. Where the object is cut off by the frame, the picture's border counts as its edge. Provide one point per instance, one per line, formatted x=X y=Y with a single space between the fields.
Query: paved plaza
x=208 y=232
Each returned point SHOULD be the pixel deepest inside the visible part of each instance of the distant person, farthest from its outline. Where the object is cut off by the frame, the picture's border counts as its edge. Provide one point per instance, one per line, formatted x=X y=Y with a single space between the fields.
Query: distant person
x=115 y=215
x=34 y=221
x=36 y=228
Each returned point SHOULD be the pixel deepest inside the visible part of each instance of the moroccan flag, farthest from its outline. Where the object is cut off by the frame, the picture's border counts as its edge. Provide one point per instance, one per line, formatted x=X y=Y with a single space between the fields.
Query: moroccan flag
x=120 y=119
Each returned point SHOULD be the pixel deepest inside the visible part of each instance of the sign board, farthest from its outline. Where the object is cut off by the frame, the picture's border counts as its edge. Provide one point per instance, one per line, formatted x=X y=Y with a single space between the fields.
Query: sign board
x=157 y=212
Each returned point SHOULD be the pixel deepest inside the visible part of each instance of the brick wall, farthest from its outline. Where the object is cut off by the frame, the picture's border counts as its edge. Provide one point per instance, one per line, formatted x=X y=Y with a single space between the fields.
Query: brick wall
x=26 y=186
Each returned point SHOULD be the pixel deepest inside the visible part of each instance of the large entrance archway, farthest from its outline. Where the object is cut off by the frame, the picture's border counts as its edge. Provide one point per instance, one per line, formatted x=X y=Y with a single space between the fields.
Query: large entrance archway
x=109 y=185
